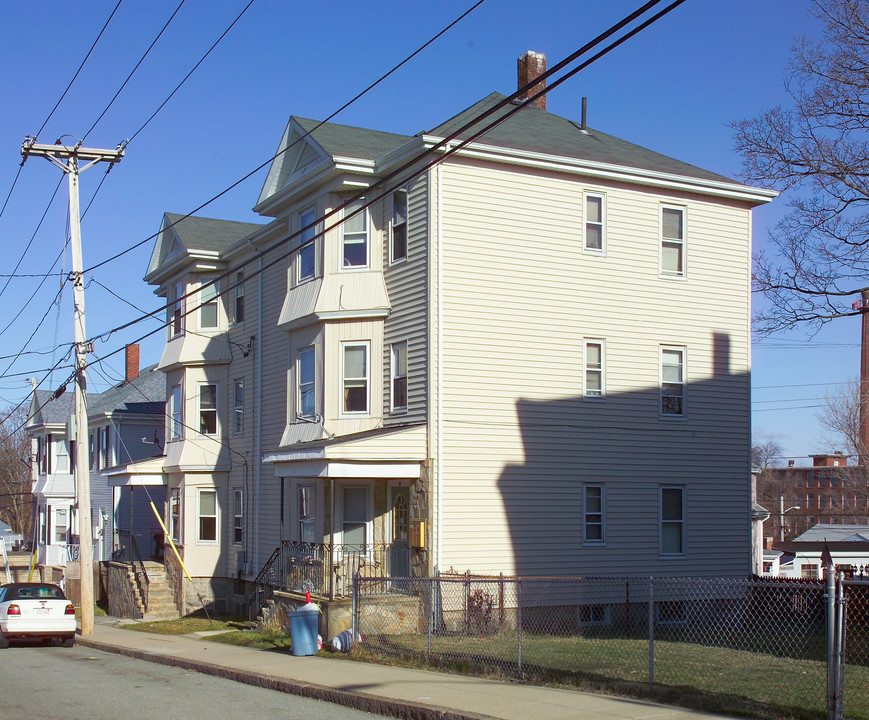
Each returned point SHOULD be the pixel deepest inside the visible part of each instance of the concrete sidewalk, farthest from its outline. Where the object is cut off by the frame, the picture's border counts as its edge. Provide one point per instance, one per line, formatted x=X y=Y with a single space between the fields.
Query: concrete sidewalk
x=394 y=691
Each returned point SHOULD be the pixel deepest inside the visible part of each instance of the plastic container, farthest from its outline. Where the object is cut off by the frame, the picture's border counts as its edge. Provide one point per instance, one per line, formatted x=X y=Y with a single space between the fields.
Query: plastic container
x=342 y=642
x=303 y=628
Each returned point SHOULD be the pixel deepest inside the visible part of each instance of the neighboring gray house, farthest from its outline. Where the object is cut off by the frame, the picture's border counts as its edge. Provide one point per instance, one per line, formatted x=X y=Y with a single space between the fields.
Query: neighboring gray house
x=126 y=424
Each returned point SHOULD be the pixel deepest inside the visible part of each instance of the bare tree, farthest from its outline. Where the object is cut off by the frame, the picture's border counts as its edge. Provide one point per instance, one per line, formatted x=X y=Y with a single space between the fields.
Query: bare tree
x=840 y=414
x=15 y=485
x=763 y=454
x=817 y=149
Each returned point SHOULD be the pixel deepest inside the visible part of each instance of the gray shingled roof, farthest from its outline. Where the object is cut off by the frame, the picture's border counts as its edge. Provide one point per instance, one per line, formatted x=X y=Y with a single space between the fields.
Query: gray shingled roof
x=199 y=233
x=348 y=141
x=145 y=394
x=535 y=130
x=834 y=533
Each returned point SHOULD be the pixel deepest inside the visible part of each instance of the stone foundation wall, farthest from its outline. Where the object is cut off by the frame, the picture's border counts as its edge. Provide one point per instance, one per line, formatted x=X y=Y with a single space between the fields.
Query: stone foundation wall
x=123 y=598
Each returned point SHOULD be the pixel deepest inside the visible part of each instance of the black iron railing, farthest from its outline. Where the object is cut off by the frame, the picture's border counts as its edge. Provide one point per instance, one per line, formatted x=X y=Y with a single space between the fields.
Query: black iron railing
x=127 y=551
x=326 y=570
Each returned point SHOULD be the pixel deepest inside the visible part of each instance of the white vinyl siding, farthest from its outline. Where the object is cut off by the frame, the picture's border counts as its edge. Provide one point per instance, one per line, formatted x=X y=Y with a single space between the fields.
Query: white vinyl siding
x=517 y=438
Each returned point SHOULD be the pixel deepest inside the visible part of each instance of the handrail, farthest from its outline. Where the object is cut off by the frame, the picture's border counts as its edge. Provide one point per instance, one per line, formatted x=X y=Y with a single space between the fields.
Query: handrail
x=143 y=582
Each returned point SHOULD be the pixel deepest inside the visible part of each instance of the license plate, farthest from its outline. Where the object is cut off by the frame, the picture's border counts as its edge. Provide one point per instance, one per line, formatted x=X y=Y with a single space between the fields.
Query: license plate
x=41 y=611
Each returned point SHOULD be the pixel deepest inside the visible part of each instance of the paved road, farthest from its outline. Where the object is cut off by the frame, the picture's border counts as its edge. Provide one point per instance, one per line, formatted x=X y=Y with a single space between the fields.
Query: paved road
x=55 y=683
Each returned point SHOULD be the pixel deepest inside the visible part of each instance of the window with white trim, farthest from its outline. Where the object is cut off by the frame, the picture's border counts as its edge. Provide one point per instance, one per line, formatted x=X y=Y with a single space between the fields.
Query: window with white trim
x=61 y=524
x=177 y=412
x=399 y=376
x=306 y=512
x=672 y=509
x=175 y=515
x=104 y=446
x=207 y=303
x=239 y=297
x=672 y=382
x=354 y=232
x=354 y=515
x=206 y=506
x=176 y=310
x=354 y=362
x=307 y=260
x=593 y=360
x=208 y=408
x=237 y=516
x=238 y=408
x=673 y=241
x=398 y=247
x=306 y=373
x=593 y=512
x=595 y=223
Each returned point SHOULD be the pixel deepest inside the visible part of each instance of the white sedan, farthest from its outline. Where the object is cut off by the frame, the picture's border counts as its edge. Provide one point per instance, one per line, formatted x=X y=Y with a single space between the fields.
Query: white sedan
x=37 y=611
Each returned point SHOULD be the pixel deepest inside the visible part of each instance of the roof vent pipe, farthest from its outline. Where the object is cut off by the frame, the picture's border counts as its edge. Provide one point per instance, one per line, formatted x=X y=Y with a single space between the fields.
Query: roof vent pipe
x=584 y=113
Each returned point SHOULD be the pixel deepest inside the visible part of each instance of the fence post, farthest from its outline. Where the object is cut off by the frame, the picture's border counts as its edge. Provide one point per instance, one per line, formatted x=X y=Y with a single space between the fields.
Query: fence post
x=429 y=616
x=840 y=645
x=354 y=610
x=519 y=624
x=830 y=597
x=651 y=632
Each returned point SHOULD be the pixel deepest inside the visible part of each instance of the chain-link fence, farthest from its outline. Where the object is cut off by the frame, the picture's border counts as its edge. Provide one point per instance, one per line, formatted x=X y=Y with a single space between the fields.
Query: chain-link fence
x=753 y=647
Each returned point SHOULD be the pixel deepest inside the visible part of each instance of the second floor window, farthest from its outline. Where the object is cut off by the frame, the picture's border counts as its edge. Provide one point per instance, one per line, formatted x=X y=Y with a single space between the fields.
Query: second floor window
x=307 y=260
x=307 y=382
x=399 y=376
x=594 y=369
x=208 y=409
x=177 y=412
x=176 y=310
x=399 y=225
x=355 y=235
x=238 y=408
x=208 y=305
x=672 y=382
x=355 y=371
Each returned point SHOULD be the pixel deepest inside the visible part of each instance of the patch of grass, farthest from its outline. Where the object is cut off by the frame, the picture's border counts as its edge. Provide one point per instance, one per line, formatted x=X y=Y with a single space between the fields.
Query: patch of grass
x=274 y=640
x=190 y=624
x=98 y=611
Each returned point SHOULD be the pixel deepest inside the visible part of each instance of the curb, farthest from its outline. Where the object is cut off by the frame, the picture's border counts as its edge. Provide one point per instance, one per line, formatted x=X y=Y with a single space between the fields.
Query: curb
x=403 y=709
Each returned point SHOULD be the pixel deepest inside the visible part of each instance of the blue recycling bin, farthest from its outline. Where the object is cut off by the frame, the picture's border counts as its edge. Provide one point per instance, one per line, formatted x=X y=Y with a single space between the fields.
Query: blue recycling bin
x=303 y=629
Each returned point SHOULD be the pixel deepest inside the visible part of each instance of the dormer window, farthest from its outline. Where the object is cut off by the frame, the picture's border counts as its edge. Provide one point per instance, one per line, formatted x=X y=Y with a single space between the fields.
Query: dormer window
x=355 y=235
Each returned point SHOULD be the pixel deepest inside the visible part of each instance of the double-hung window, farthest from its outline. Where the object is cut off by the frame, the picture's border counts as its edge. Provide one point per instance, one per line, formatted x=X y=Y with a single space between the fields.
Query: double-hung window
x=593 y=514
x=208 y=303
x=238 y=408
x=399 y=225
x=175 y=514
x=306 y=372
x=208 y=409
x=673 y=241
x=207 y=507
x=306 y=512
x=61 y=523
x=355 y=235
x=672 y=382
x=177 y=412
x=237 y=516
x=307 y=260
x=595 y=227
x=672 y=507
x=176 y=310
x=355 y=377
x=354 y=507
x=593 y=359
x=239 y=297
x=399 y=376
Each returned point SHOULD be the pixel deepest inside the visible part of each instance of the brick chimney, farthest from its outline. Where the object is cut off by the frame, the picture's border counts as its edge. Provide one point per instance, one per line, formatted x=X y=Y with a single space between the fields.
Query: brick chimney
x=132 y=355
x=531 y=66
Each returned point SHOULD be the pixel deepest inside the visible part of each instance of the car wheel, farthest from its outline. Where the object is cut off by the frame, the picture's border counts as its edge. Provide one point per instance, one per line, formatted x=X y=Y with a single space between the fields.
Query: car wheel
x=4 y=641
x=69 y=641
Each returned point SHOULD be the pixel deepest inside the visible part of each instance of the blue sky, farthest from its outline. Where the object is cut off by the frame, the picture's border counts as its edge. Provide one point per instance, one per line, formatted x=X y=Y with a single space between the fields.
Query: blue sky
x=673 y=88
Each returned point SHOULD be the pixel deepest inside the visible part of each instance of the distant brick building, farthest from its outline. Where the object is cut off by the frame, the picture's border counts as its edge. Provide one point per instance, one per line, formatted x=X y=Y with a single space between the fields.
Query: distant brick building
x=828 y=491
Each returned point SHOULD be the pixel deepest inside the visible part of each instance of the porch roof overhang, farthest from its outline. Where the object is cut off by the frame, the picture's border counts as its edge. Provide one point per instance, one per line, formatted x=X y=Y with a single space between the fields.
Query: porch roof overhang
x=145 y=472
x=369 y=469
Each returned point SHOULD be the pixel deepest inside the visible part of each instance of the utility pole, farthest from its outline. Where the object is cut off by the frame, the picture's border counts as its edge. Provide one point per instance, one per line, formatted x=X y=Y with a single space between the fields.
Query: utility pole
x=68 y=159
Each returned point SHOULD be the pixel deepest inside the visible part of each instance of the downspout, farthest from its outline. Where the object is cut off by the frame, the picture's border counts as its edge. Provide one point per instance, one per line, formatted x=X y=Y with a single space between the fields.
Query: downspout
x=440 y=371
x=258 y=366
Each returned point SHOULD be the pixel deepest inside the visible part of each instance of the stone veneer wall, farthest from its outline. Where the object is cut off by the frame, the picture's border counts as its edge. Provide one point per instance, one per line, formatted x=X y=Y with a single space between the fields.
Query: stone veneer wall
x=123 y=598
